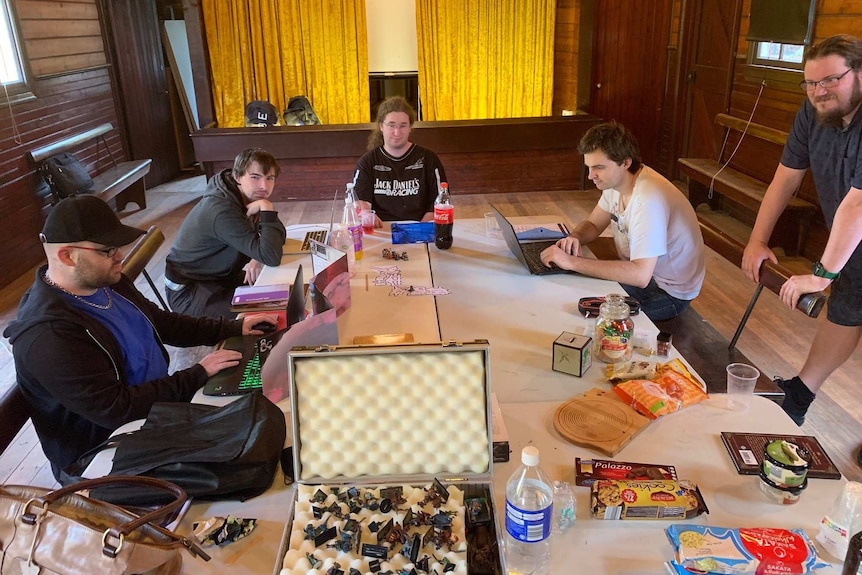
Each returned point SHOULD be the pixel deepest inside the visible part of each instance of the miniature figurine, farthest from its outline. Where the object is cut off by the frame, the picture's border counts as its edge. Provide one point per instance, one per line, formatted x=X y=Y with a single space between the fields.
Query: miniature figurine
x=313 y=561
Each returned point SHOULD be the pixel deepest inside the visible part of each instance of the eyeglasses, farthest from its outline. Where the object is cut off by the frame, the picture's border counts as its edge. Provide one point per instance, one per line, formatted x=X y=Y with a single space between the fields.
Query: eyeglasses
x=827 y=82
x=394 y=126
x=107 y=252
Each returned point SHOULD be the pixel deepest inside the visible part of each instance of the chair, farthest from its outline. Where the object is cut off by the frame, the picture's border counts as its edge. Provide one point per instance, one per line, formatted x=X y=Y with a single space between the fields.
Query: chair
x=14 y=413
x=140 y=255
x=773 y=277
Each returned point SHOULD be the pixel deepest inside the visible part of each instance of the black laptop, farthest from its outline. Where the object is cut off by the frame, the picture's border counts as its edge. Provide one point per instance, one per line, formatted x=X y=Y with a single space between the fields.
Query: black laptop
x=527 y=251
x=245 y=377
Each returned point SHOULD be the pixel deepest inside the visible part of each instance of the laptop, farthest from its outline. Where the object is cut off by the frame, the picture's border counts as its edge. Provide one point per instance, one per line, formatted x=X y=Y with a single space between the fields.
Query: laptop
x=255 y=349
x=527 y=251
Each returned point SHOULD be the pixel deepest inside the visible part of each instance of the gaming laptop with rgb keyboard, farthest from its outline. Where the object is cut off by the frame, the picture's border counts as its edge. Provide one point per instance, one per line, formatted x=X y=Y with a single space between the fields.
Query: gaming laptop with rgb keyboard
x=245 y=377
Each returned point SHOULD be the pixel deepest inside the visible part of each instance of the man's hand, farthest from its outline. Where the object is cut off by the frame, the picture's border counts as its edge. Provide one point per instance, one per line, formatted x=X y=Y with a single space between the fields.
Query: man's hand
x=252 y=271
x=258 y=206
x=219 y=360
x=754 y=255
x=796 y=286
x=556 y=256
x=249 y=320
x=570 y=245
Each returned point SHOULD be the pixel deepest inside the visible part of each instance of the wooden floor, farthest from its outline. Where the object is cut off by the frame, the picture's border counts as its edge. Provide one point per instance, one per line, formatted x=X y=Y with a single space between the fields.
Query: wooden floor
x=776 y=339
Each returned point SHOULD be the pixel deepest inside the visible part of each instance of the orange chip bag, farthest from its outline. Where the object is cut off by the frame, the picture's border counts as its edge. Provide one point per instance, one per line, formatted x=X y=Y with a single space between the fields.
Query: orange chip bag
x=667 y=393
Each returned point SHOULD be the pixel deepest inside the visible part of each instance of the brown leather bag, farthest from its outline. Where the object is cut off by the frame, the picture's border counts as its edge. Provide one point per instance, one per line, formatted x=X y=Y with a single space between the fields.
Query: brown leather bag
x=62 y=532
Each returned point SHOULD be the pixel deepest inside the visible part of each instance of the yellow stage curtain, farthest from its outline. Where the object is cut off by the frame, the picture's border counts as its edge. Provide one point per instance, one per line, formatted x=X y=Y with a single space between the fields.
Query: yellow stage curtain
x=485 y=58
x=274 y=49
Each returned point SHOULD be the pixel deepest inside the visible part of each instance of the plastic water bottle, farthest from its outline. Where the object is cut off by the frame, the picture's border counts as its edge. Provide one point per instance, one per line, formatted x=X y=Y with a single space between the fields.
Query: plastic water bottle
x=564 y=507
x=529 y=509
x=352 y=223
x=342 y=239
x=444 y=218
x=351 y=193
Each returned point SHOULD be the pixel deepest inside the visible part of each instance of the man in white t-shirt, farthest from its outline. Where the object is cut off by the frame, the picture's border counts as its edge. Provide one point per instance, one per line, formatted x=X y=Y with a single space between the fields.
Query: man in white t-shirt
x=655 y=229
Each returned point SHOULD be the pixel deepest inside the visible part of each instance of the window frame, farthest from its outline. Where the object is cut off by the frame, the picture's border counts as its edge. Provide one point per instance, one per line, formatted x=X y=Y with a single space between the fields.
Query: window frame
x=20 y=91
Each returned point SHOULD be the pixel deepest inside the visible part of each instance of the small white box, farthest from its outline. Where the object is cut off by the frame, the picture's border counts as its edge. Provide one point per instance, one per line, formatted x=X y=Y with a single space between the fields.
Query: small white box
x=572 y=353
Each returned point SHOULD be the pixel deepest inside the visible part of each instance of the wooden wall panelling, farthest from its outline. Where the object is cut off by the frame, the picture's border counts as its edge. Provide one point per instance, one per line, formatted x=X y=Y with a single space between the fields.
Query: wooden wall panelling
x=58 y=36
x=61 y=36
x=566 y=56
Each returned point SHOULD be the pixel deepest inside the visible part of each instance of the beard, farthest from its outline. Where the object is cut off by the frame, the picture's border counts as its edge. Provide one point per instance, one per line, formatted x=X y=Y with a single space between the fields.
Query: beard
x=835 y=118
x=88 y=276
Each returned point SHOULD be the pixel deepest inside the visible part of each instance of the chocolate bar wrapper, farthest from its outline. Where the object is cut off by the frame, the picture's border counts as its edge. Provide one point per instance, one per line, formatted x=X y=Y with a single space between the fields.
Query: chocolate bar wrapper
x=588 y=471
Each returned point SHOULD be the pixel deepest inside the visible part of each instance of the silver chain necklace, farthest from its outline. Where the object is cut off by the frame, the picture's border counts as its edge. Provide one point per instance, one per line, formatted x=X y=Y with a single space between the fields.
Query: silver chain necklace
x=108 y=305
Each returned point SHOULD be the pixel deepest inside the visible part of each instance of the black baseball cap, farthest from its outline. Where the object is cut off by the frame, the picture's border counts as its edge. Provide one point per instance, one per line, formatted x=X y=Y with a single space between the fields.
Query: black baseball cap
x=260 y=113
x=84 y=218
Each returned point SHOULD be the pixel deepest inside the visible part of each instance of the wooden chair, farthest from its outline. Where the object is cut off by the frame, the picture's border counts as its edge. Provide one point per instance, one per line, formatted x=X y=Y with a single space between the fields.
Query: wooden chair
x=773 y=276
x=140 y=255
x=14 y=413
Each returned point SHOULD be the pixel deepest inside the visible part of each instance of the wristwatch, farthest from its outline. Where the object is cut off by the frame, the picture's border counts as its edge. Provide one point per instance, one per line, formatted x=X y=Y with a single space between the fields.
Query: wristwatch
x=818 y=270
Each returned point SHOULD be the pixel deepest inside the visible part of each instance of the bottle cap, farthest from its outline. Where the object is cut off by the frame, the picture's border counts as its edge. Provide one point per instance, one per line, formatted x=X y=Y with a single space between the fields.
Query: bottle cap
x=530 y=456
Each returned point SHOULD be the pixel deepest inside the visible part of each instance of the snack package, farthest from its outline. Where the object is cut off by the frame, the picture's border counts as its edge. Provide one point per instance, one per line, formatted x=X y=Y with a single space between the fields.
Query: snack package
x=652 y=499
x=842 y=521
x=761 y=550
x=623 y=371
x=667 y=393
x=588 y=471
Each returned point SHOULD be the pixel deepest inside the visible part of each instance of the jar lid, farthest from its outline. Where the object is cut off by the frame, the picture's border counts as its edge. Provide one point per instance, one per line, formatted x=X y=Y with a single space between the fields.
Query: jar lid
x=786 y=455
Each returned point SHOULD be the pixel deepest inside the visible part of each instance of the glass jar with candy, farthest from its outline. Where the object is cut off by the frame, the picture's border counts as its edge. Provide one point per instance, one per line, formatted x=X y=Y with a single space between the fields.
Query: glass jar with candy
x=612 y=341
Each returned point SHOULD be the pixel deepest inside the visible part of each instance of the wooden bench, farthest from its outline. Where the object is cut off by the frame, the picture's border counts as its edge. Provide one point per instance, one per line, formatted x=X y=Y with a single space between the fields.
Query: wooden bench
x=123 y=182
x=739 y=194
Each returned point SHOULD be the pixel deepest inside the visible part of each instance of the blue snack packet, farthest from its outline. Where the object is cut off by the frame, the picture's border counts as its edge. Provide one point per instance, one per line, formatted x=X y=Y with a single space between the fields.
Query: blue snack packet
x=412 y=232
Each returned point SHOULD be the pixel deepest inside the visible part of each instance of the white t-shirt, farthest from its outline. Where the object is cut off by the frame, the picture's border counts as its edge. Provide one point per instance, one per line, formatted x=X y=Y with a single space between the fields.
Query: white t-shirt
x=659 y=222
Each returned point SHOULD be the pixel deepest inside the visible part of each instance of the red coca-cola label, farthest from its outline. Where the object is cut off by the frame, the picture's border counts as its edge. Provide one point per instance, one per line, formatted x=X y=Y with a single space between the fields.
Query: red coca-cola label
x=444 y=214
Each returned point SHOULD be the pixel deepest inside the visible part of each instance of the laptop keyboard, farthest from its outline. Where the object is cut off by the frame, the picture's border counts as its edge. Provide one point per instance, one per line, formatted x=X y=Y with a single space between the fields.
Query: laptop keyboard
x=251 y=374
x=316 y=235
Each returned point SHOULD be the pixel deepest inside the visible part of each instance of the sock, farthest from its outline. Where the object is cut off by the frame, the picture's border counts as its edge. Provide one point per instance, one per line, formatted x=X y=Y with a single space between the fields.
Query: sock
x=797 y=398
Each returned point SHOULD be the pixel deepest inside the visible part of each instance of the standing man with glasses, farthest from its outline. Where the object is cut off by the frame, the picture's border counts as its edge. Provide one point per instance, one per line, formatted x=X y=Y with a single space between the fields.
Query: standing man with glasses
x=397 y=178
x=827 y=138
x=89 y=348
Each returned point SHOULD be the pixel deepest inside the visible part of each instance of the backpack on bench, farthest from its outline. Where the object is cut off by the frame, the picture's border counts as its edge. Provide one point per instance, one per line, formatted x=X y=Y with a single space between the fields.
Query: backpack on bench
x=66 y=176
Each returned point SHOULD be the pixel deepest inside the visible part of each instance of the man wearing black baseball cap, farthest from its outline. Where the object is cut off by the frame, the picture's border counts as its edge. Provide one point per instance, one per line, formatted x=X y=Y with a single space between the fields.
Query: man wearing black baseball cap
x=89 y=347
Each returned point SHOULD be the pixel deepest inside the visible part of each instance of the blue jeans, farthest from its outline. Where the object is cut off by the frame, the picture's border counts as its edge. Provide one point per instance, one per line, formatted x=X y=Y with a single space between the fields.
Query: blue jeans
x=656 y=303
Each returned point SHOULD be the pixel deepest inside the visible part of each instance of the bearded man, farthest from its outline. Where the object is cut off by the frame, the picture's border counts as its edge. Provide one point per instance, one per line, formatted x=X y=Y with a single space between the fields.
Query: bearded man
x=826 y=137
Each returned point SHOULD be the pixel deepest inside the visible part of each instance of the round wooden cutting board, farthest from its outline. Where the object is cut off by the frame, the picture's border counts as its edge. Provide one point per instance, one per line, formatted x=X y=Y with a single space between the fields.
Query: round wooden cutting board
x=598 y=420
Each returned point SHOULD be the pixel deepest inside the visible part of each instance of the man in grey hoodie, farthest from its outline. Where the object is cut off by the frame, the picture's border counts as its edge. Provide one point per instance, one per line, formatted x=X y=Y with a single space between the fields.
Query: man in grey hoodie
x=227 y=238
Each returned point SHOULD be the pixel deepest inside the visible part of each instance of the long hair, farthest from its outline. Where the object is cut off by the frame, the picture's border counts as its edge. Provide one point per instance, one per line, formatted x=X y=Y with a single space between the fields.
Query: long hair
x=615 y=141
x=844 y=45
x=387 y=106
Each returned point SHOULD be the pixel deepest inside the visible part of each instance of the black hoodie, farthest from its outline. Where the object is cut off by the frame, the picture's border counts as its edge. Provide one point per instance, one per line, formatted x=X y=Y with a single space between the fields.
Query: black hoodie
x=69 y=367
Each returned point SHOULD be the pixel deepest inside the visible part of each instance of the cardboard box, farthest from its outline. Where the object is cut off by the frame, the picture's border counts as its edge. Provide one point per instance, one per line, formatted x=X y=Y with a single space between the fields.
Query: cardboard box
x=572 y=353
x=414 y=415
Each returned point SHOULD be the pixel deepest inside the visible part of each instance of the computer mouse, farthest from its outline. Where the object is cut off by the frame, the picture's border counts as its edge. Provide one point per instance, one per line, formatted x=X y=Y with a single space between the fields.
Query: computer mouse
x=264 y=326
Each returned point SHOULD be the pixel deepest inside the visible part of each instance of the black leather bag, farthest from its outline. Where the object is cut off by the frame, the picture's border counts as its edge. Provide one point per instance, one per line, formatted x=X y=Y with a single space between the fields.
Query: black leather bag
x=214 y=453
x=66 y=176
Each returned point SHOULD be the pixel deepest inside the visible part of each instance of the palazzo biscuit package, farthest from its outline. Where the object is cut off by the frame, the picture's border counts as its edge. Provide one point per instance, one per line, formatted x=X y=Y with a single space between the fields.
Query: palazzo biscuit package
x=384 y=485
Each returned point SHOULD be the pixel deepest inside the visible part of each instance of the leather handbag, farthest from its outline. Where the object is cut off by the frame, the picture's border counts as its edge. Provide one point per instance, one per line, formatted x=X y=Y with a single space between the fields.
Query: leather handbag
x=62 y=532
x=66 y=176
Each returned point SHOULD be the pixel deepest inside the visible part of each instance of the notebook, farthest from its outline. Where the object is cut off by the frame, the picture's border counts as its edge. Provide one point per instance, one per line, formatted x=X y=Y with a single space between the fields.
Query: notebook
x=245 y=377
x=528 y=252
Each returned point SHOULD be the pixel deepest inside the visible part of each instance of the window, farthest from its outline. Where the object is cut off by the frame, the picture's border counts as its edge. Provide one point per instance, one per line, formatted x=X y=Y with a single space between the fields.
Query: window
x=778 y=55
x=778 y=33
x=13 y=74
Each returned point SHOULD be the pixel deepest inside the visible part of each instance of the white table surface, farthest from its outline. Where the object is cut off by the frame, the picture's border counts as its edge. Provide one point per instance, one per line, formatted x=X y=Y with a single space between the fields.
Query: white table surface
x=688 y=440
x=495 y=298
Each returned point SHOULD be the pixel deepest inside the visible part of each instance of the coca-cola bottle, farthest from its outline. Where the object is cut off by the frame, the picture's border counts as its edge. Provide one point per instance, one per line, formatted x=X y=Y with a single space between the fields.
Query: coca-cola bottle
x=444 y=218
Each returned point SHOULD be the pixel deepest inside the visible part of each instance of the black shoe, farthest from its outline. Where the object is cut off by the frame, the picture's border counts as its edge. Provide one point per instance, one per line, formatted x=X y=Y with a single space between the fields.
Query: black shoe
x=797 y=398
x=859 y=457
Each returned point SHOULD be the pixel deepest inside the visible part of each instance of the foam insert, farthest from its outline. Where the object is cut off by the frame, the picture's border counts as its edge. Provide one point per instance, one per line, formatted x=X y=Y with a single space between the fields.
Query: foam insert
x=390 y=414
